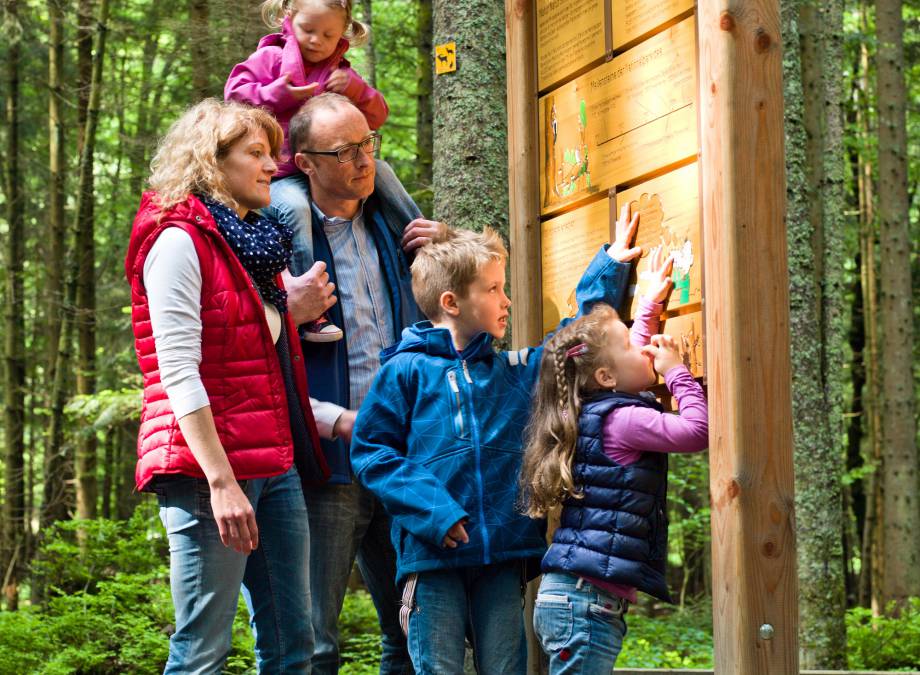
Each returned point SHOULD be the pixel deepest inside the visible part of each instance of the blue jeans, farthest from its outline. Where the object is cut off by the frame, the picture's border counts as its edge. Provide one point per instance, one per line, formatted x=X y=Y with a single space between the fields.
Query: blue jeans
x=484 y=603
x=347 y=521
x=206 y=576
x=579 y=626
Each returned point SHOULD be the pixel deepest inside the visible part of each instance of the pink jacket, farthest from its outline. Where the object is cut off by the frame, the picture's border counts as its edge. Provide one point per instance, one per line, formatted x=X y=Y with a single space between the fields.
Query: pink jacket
x=260 y=81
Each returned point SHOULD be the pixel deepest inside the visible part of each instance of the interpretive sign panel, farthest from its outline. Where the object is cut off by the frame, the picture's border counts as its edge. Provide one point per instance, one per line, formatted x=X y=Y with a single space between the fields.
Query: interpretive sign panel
x=571 y=34
x=634 y=18
x=622 y=120
x=687 y=329
x=569 y=243
x=669 y=217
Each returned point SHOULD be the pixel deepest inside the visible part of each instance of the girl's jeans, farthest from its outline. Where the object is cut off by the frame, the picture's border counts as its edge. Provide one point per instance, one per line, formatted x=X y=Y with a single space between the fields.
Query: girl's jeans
x=483 y=603
x=580 y=627
x=206 y=576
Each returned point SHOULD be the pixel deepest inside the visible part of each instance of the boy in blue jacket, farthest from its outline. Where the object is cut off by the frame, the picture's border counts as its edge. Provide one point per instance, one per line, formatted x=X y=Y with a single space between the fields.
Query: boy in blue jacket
x=439 y=441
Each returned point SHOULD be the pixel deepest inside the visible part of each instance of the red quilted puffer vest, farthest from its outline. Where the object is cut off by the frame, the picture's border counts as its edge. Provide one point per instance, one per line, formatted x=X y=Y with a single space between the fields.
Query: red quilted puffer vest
x=239 y=365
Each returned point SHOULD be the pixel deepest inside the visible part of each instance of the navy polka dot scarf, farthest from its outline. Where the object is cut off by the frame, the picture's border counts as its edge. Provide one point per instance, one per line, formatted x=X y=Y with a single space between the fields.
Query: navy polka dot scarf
x=262 y=247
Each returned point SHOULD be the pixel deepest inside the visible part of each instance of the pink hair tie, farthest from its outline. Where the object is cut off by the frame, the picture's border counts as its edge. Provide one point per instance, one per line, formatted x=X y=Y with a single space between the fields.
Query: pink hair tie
x=578 y=350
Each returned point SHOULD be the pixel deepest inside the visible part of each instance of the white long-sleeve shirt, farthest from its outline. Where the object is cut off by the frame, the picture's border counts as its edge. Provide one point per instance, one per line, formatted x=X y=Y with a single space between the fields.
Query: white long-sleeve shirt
x=172 y=278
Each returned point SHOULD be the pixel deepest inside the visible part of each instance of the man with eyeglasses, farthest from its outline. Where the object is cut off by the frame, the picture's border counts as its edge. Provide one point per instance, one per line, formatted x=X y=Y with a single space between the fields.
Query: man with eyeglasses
x=355 y=234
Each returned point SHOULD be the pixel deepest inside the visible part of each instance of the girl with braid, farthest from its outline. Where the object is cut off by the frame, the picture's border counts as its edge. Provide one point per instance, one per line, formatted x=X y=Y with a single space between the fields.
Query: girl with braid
x=597 y=444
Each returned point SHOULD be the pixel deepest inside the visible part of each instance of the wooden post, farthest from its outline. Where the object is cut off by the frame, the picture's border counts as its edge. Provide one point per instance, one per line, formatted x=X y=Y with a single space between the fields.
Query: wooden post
x=524 y=215
x=523 y=176
x=746 y=294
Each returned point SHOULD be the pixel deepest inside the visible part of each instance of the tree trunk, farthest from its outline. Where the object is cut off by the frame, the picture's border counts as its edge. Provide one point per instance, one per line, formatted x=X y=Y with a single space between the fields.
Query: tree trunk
x=127 y=497
x=367 y=16
x=14 y=326
x=199 y=42
x=901 y=535
x=470 y=112
x=817 y=500
x=85 y=21
x=424 y=124
x=108 y=472
x=85 y=252
x=57 y=228
x=869 y=568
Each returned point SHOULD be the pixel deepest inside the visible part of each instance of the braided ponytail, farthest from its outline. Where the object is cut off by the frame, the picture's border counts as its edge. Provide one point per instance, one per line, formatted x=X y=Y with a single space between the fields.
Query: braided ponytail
x=552 y=435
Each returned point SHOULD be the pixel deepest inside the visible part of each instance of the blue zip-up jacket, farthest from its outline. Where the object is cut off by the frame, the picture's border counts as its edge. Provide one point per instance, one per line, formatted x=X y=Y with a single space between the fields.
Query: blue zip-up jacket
x=439 y=439
x=386 y=213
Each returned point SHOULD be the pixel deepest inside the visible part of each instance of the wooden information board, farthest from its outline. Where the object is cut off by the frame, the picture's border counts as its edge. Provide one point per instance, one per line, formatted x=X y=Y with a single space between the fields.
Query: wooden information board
x=622 y=132
x=569 y=243
x=572 y=35
x=620 y=121
x=669 y=216
x=635 y=18
x=605 y=99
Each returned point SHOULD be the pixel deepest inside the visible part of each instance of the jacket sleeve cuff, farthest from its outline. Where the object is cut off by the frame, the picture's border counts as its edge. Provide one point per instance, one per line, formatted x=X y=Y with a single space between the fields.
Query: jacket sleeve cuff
x=604 y=281
x=448 y=521
x=326 y=415
x=276 y=94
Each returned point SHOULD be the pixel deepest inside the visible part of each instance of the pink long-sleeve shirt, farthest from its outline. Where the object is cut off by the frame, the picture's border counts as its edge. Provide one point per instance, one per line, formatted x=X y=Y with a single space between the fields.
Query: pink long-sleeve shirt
x=260 y=81
x=632 y=430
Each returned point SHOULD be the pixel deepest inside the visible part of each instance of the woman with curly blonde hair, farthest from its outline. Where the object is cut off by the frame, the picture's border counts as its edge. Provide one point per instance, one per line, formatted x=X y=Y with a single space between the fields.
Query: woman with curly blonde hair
x=226 y=434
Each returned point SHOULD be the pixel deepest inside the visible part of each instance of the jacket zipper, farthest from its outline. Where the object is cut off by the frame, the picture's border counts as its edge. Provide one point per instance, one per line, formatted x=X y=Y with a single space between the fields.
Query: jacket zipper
x=474 y=437
x=452 y=379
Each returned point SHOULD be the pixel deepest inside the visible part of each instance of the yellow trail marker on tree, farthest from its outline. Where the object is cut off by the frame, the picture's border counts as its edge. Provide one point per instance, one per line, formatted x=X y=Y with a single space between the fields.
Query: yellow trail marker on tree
x=445 y=60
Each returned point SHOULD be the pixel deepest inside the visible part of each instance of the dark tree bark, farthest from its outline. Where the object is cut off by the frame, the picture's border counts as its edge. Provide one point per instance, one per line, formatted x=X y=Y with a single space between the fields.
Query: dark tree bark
x=900 y=553
x=424 y=123
x=14 y=325
x=85 y=252
x=199 y=43
x=57 y=228
x=367 y=16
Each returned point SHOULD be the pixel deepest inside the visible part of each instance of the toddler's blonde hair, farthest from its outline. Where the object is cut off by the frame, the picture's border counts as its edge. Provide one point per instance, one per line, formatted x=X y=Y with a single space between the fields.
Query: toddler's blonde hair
x=274 y=11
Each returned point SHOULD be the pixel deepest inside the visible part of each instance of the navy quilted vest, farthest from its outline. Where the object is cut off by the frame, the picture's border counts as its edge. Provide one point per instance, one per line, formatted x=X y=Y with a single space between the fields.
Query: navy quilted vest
x=618 y=529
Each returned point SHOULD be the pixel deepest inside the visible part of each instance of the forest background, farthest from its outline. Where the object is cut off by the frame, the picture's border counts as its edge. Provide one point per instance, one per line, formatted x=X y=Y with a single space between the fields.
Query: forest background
x=90 y=85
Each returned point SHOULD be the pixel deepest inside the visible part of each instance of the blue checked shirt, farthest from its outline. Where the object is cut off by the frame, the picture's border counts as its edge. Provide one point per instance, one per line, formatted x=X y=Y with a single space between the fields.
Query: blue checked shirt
x=365 y=304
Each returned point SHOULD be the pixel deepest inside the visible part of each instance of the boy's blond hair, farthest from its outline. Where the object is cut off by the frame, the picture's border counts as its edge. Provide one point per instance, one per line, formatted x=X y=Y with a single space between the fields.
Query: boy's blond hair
x=451 y=264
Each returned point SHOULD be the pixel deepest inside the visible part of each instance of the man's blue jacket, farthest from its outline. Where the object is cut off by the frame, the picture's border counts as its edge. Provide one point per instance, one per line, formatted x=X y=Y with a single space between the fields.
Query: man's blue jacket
x=386 y=213
x=439 y=439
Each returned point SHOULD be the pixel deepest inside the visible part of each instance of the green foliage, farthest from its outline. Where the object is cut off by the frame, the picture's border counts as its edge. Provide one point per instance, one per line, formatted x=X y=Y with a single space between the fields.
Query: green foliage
x=680 y=639
x=76 y=555
x=110 y=609
x=359 y=634
x=886 y=642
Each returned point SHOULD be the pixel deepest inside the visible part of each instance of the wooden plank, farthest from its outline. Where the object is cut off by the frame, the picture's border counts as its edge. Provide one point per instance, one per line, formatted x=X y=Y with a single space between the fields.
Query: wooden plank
x=621 y=120
x=669 y=216
x=569 y=242
x=570 y=36
x=523 y=183
x=747 y=338
x=634 y=18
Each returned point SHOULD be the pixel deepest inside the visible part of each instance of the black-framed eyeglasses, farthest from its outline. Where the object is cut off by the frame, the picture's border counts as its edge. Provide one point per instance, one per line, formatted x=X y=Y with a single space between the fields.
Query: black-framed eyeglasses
x=348 y=153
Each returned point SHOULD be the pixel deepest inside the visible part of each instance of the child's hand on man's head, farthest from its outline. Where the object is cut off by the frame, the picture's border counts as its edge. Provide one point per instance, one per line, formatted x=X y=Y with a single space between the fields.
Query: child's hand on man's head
x=624 y=233
x=337 y=82
x=660 y=265
x=664 y=353
x=456 y=535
